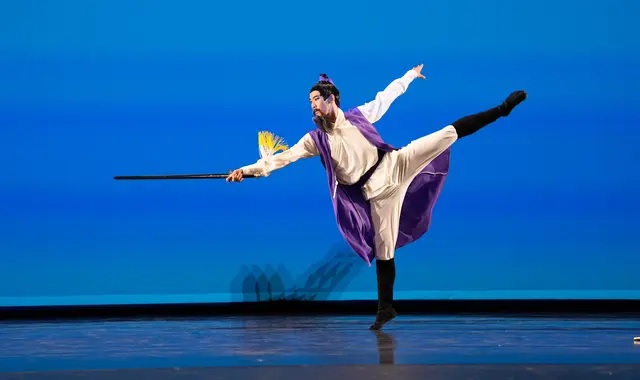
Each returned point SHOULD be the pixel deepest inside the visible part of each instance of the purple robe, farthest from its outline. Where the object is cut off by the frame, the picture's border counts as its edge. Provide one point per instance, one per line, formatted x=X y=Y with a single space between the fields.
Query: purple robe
x=352 y=211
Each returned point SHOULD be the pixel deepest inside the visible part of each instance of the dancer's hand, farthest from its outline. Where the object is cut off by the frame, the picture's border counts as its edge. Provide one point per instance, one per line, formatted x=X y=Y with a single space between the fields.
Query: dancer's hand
x=235 y=176
x=418 y=70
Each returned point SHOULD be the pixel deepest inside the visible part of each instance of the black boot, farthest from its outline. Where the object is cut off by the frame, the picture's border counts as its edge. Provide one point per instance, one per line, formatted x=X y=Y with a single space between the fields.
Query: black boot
x=468 y=125
x=512 y=101
x=386 y=274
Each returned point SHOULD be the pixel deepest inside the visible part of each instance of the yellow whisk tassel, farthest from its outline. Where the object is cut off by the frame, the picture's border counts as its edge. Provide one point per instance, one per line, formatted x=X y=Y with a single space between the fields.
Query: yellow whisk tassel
x=270 y=144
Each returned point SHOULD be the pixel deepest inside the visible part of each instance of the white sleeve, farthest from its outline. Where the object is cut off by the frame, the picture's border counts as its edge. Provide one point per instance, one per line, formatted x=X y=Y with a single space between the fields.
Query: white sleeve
x=304 y=148
x=375 y=109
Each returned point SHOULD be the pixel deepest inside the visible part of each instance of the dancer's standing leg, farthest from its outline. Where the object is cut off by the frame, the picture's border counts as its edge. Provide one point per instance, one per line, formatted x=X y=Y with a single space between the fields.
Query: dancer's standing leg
x=406 y=164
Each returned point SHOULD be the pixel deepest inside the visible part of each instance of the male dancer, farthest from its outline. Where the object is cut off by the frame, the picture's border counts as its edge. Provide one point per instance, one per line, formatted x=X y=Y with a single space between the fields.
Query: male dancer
x=383 y=197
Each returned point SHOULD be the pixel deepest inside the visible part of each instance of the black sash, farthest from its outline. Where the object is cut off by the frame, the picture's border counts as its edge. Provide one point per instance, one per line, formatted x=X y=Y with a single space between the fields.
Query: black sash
x=365 y=177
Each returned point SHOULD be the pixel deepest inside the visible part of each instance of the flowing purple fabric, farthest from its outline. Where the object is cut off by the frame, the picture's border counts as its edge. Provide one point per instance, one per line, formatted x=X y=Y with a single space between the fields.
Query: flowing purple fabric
x=352 y=211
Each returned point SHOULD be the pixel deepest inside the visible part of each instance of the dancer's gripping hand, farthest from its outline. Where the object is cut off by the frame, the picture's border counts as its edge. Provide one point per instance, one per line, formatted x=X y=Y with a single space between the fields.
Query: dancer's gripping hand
x=235 y=176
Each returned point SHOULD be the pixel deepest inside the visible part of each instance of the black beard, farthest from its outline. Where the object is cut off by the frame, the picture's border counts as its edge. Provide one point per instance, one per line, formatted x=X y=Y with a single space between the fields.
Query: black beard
x=323 y=123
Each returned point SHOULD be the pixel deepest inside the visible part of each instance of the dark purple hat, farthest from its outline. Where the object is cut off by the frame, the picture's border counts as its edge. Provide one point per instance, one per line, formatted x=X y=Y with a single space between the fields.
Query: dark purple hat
x=326 y=79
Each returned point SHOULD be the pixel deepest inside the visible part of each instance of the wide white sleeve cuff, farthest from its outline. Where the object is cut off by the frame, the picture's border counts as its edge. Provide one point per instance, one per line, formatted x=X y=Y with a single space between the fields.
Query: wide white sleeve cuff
x=257 y=168
x=305 y=148
x=375 y=109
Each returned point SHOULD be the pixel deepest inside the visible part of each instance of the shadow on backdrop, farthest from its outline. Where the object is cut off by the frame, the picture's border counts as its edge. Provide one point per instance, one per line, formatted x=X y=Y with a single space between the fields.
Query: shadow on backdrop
x=275 y=283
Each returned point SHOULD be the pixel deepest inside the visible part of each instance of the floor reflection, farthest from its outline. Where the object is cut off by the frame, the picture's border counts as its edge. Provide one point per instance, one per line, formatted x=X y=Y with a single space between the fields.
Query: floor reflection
x=322 y=340
x=386 y=347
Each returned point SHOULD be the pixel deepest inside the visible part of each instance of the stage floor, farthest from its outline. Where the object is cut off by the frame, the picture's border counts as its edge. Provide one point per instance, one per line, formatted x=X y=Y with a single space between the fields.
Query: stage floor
x=322 y=347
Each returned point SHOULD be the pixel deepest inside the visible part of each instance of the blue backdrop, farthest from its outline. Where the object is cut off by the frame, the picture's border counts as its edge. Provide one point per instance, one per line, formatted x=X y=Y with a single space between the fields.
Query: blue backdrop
x=542 y=204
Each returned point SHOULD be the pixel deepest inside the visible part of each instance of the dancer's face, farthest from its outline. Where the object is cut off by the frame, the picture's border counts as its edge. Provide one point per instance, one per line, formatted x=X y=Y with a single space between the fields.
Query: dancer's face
x=319 y=106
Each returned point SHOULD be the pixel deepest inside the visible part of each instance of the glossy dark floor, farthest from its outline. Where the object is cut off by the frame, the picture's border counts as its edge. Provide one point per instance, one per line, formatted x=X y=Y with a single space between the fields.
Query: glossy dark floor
x=412 y=347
